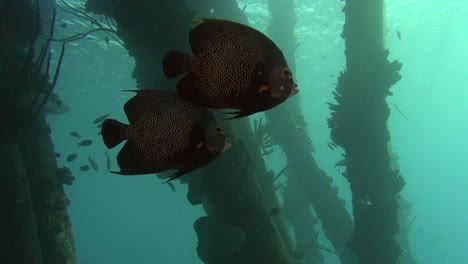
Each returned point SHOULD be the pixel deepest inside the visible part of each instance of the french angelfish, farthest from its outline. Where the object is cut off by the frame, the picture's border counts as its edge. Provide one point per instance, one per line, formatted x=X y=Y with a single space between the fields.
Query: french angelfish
x=164 y=133
x=233 y=66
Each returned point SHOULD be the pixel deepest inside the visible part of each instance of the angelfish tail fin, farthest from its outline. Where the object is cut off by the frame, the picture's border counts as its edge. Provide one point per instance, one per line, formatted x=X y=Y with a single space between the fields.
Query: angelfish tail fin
x=113 y=132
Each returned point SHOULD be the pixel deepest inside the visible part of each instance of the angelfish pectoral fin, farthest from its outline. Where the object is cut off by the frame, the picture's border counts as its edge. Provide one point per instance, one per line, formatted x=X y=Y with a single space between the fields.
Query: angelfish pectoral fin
x=178 y=174
x=239 y=114
x=130 y=164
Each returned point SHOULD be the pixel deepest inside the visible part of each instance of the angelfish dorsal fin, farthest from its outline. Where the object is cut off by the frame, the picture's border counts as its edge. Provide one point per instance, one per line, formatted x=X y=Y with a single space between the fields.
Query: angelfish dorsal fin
x=137 y=105
x=210 y=28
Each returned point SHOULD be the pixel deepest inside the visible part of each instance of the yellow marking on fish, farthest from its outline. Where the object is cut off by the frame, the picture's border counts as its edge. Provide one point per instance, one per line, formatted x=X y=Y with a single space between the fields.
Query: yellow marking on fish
x=200 y=145
x=263 y=89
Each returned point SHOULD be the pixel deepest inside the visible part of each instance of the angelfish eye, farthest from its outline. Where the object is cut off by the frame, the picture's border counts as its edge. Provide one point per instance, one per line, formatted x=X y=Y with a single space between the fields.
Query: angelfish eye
x=285 y=73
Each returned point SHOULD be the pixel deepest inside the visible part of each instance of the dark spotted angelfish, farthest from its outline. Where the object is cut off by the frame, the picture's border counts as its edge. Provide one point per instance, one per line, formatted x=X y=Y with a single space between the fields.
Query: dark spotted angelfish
x=165 y=132
x=233 y=66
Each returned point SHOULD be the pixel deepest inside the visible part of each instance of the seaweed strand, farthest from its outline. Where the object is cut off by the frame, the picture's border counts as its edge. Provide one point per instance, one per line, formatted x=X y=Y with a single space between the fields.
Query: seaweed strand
x=54 y=82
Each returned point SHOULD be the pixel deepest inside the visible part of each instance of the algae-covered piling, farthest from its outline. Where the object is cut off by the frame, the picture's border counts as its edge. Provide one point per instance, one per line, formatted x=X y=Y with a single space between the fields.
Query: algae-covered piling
x=306 y=179
x=359 y=125
x=34 y=224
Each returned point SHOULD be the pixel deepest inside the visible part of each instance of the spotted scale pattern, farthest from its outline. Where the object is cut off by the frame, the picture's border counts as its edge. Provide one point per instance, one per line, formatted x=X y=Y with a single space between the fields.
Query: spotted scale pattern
x=230 y=66
x=164 y=131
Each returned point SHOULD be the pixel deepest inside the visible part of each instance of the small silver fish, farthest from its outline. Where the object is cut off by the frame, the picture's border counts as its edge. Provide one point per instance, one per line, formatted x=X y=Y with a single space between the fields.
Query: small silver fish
x=331 y=145
x=101 y=119
x=243 y=9
x=55 y=106
x=86 y=142
x=75 y=134
x=274 y=211
x=93 y=163
x=71 y=157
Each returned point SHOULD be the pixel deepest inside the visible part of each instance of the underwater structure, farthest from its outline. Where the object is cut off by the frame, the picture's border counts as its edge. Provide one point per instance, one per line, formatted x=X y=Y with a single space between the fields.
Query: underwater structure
x=34 y=222
x=234 y=203
x=307 y=184
x=245 y=221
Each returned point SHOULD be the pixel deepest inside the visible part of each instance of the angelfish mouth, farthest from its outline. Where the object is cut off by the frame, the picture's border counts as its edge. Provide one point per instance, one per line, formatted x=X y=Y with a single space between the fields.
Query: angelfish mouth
x=214 y=150
x=294 y=91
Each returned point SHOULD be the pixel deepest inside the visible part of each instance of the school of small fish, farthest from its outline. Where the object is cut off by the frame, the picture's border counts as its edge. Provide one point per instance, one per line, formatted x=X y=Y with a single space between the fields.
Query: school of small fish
x=90 y=162
x=233 y=66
